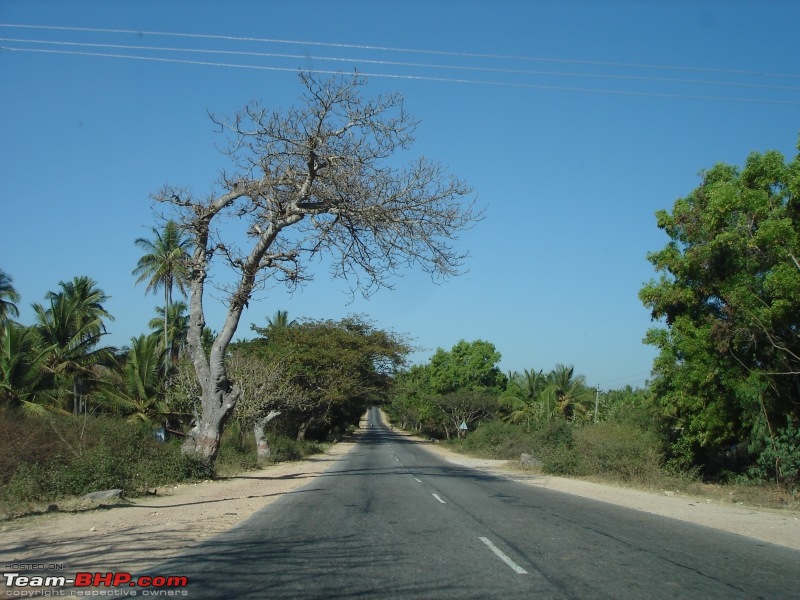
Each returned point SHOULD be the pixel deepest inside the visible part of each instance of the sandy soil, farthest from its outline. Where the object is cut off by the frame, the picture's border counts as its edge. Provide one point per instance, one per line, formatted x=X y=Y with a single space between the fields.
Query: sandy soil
x=135 y=534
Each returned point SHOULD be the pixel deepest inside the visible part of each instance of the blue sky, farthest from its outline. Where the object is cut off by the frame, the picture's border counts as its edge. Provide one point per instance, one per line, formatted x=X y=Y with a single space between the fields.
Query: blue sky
x=573 y=121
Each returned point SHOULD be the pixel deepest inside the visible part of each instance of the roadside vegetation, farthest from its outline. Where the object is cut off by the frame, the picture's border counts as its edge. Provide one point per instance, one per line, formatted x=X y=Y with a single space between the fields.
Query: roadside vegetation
x=78 y=416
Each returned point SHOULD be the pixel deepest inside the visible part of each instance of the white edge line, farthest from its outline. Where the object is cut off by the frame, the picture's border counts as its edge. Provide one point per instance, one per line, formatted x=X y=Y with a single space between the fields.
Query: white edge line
x=439 y=499
x=514 y=566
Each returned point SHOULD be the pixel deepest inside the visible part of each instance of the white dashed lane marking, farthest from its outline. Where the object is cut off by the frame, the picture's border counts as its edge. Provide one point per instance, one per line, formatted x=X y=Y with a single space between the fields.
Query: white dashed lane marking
x=514 y=566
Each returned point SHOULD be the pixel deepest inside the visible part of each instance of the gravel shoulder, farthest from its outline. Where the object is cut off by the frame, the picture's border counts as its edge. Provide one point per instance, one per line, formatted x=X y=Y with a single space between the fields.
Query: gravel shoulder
x=133 y=535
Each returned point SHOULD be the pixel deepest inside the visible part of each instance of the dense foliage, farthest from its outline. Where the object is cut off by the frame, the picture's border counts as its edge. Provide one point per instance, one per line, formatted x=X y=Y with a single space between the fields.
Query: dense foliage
x=332 y=371
x=728 y=372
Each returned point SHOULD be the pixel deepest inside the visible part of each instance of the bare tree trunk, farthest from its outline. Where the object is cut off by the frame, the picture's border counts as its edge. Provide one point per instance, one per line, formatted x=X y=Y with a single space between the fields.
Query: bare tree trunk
x=218 y=393
x=301 y=433
x=262 y=444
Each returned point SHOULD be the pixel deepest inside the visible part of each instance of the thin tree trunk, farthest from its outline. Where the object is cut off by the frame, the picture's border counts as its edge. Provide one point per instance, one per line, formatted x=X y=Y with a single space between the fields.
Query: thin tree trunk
x=301 y=433
x=262 y=443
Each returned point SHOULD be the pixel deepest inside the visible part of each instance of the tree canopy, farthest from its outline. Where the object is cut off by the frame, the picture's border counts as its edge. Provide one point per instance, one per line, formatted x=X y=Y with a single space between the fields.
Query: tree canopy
x=729 y=294
x=331 y=370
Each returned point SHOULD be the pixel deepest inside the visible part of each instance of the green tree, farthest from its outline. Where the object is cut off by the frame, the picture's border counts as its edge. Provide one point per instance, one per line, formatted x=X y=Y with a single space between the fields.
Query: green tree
x=8 y=298
x=340 y=367
x=71 y=327
x=528 y=401
x=729 y=295
x=25 y=380
x=140 y=393
x=178 y=322
x=411 y=403
x=570 y=395
x=164 y=266
x=467 y=366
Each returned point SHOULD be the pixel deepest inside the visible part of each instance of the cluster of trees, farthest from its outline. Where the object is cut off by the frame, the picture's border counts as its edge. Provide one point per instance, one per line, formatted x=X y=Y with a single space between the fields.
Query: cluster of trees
x=728 y=370
x=57 y=362
x=317 y=376
x=465 y=386
x=313 y=378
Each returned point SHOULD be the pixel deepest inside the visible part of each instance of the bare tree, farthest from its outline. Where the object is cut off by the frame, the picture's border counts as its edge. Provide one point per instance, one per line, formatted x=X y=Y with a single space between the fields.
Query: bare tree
x=318 y=178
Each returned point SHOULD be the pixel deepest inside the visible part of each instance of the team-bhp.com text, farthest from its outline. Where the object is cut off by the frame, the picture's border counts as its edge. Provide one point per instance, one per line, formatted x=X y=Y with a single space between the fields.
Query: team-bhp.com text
x=165 y=584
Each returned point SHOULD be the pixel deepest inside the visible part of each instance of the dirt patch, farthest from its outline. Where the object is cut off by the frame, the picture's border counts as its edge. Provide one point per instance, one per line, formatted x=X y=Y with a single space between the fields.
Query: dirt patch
x=133 y=535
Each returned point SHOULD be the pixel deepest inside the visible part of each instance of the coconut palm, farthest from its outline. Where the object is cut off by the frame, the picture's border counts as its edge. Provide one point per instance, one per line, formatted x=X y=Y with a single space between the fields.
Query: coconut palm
x=569 y=391
x=72 y=326
x=178 y=321
x=140 y=393
x=164 y=265
x=8 y=298
x=25 y=381
x=528 y=389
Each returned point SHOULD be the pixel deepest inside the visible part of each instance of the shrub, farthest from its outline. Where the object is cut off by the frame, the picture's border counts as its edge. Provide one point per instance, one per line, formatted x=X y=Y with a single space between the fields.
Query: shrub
x=621 y=450
x=495 y=439
x=553 y=444
x=285 y=449
x=52 y=457
x=778 y=455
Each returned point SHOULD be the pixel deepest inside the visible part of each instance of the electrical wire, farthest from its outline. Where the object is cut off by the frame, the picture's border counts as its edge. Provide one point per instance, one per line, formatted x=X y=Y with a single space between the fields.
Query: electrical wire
x=403 y=50
x=415 y=65
x=404 y=64
x=416 y=77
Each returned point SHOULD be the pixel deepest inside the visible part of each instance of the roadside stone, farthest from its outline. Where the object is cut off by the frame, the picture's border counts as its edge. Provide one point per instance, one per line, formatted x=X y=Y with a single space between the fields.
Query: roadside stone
x=103 y=495
x=526 y=461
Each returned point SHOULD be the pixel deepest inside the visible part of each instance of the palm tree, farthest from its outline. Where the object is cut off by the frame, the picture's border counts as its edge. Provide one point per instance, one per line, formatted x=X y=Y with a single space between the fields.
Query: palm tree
x=140 y=392
x=569 y=391
x=275 y=324
x=178 y=320
x=25 y=380
x=280 y=320
x=72 y=326
x=8 y=298
x=528 y=389
x=165 y=265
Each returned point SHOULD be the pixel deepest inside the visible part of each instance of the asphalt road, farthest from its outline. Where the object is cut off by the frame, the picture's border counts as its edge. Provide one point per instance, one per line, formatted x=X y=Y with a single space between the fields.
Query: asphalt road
x=394 y=521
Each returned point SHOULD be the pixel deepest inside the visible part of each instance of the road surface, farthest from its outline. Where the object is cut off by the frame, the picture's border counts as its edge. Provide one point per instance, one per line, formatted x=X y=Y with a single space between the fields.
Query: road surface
x=394 y=521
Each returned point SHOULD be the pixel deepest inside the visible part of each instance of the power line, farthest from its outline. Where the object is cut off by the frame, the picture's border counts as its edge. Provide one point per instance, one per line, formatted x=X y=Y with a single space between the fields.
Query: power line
x=405 y=64
x=414 y=77
x=625 y=378
x=403 y=50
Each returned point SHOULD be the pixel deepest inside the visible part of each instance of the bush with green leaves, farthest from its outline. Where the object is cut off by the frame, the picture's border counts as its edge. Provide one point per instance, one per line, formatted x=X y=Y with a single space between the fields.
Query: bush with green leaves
x=620 y=450
x=553 y=443
x=777 y=454
x=498 y=440
x=52 y=457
